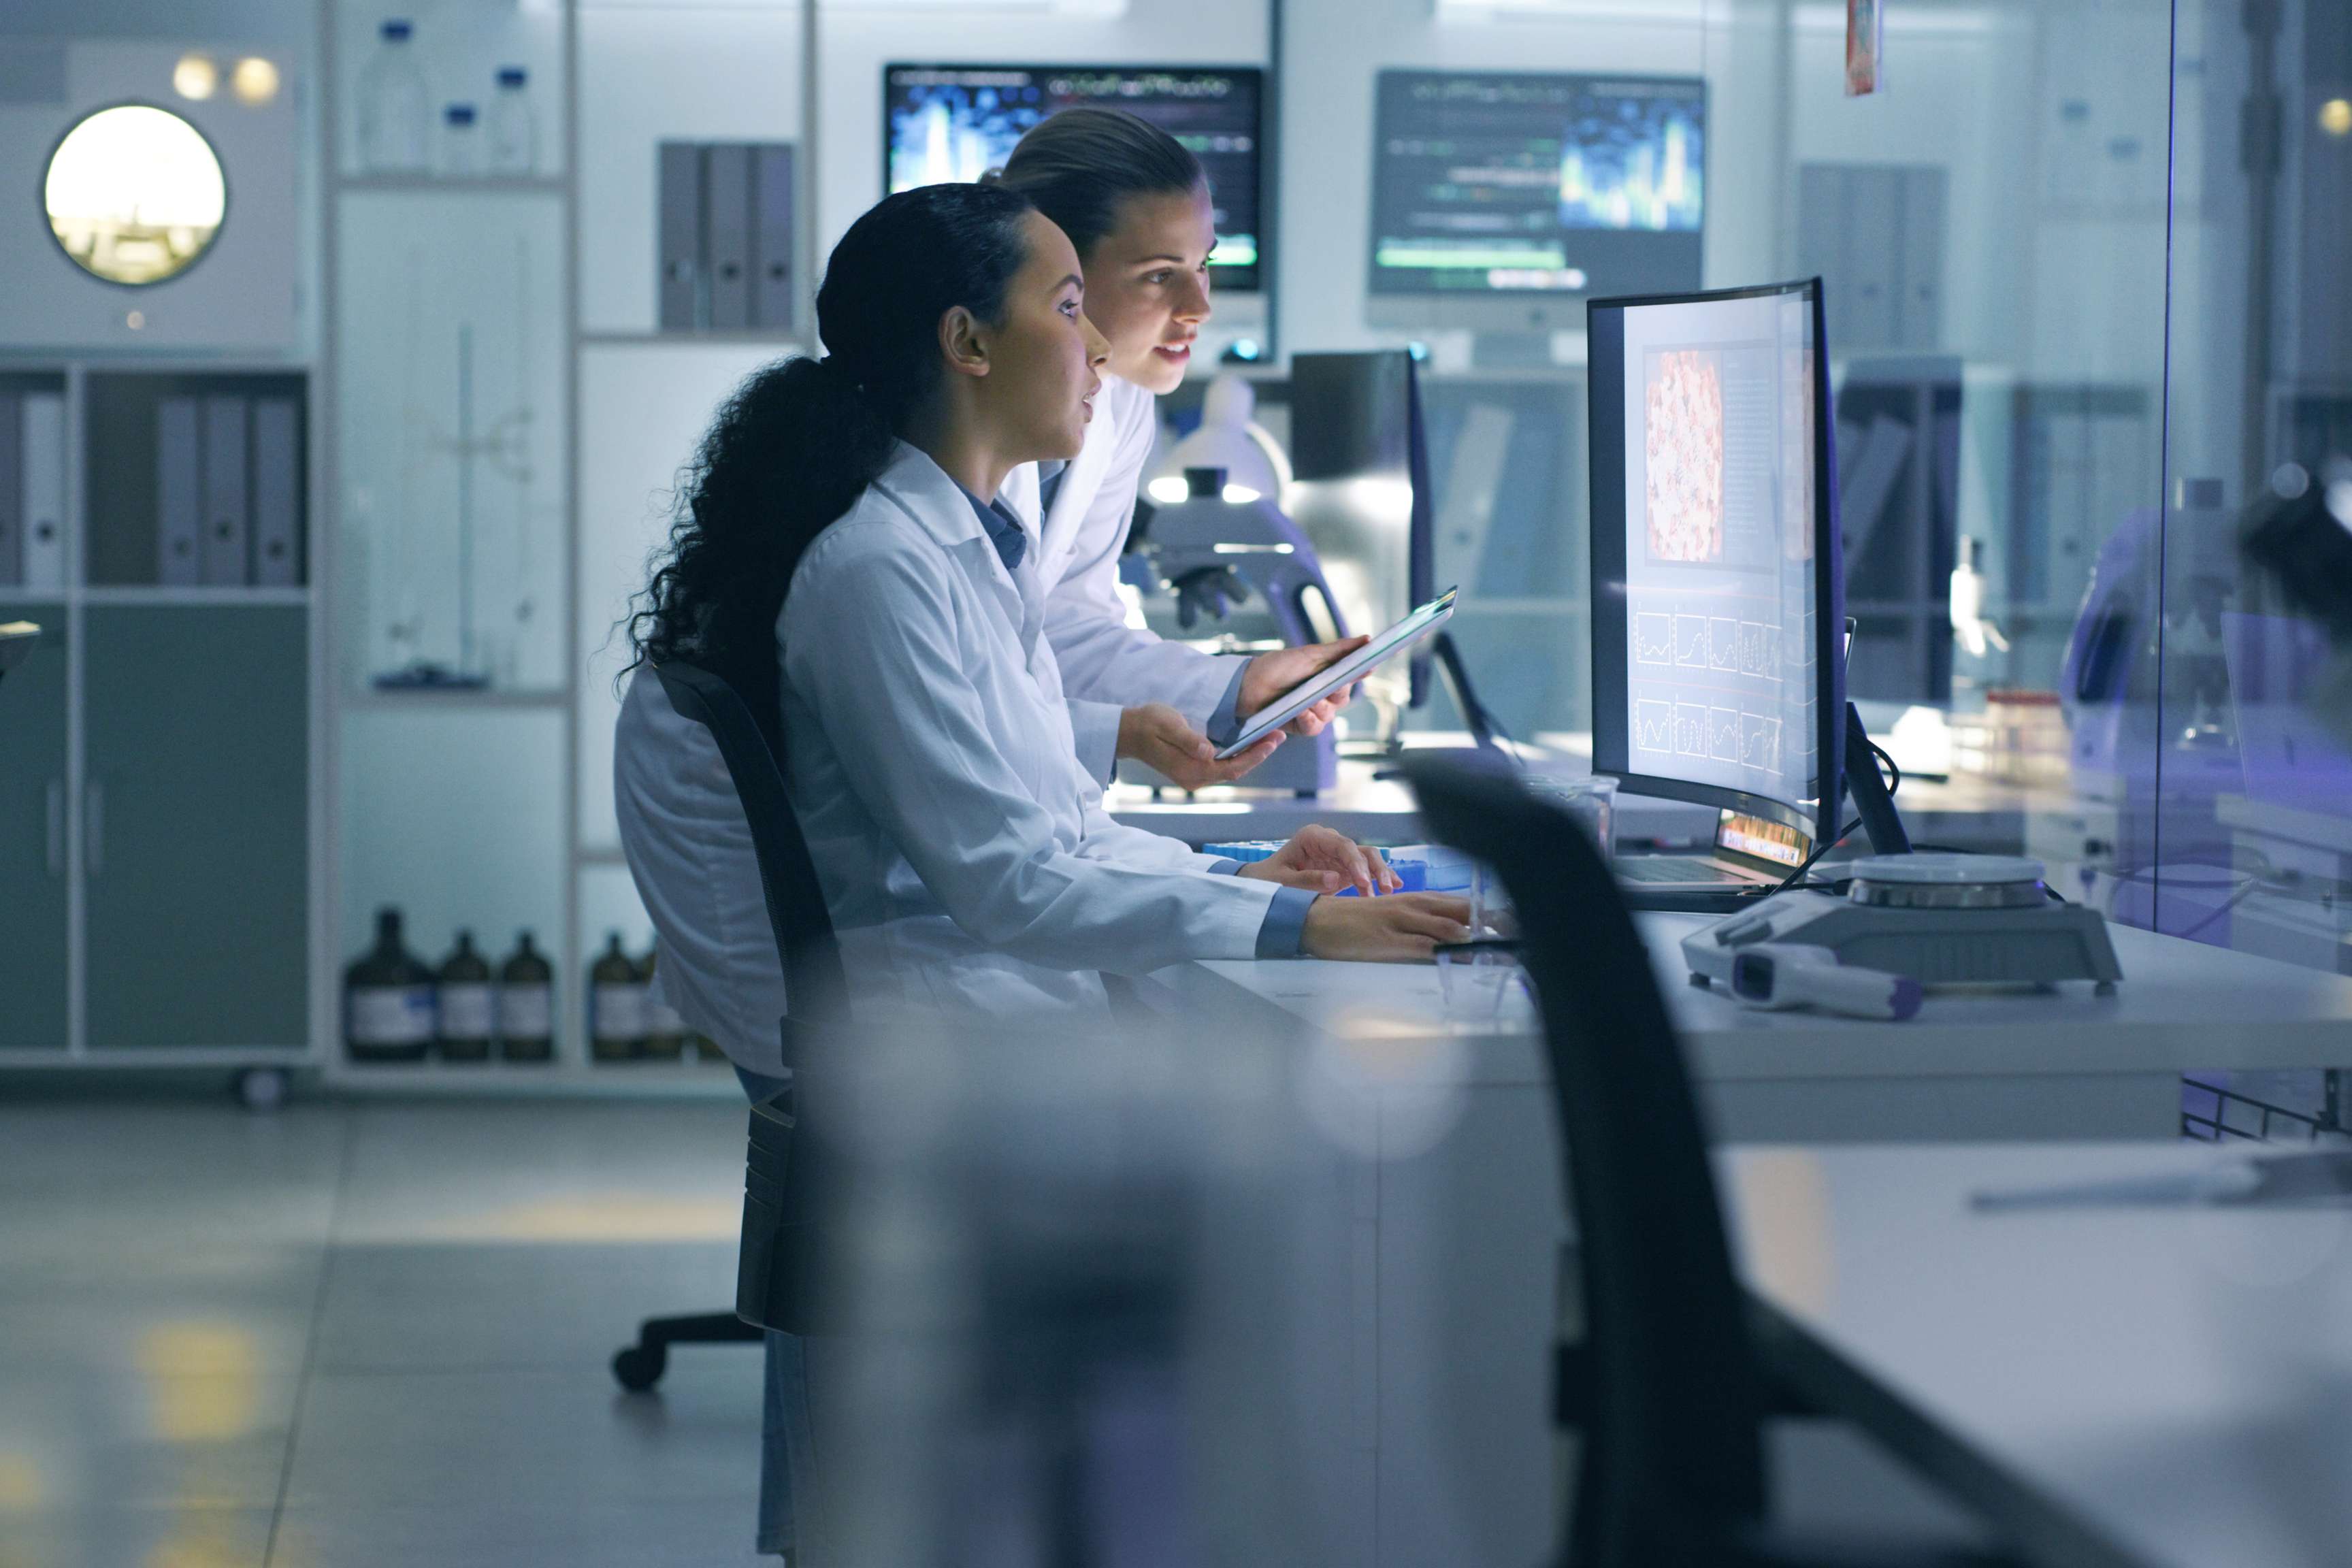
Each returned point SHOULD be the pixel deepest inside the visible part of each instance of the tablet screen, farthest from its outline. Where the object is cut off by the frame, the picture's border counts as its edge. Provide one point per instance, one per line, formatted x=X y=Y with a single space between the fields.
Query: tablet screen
x=1309 y=692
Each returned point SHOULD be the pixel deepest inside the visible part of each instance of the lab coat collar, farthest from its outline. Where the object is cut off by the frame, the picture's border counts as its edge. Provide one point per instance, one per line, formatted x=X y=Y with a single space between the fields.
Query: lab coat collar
x=1055 y=532
x=943 y=509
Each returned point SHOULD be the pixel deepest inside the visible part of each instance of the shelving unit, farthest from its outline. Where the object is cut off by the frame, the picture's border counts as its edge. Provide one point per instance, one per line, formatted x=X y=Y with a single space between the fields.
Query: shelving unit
x=508 y=778
x=146 y=946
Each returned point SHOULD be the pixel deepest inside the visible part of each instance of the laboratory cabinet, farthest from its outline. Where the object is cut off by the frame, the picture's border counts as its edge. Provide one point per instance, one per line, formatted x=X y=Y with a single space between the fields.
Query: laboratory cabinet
x=195 y=826
x=34 y=897
x=157 y=799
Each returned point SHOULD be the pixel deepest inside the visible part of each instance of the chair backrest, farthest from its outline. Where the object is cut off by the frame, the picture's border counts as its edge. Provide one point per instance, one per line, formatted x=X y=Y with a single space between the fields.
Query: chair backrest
x=1674 y=1455
x=815 y=985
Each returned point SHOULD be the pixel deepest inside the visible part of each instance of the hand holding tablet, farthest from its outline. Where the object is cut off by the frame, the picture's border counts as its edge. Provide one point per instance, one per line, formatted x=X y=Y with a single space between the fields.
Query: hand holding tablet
x=1306 y=693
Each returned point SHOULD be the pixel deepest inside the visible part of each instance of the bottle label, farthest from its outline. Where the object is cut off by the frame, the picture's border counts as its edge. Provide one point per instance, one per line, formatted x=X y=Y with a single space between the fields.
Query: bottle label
x=390 y=1015
x=618 y=1012
x=526 y=1012
x=661 y=1019
x=465 y=1011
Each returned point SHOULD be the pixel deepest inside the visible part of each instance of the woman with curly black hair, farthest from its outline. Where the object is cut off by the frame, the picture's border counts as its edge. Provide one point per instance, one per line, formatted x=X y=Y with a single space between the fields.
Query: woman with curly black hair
x=842 y=558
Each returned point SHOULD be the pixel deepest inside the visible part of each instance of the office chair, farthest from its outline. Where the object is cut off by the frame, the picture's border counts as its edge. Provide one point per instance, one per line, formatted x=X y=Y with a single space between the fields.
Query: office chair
x=1667 y=1389
x=780 y=1235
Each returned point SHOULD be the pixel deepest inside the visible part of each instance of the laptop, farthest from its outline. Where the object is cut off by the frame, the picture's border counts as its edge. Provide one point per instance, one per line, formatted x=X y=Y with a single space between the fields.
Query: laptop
x=1750 y=857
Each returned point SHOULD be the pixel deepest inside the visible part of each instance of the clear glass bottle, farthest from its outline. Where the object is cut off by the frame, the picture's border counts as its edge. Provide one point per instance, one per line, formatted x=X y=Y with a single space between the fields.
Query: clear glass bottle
x=514 y=131
x=461 y=153
x=396 y=125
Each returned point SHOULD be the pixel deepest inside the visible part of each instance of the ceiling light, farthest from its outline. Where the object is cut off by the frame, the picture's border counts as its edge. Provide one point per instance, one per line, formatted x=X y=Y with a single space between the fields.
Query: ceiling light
x=196 y=77
x=255 y=81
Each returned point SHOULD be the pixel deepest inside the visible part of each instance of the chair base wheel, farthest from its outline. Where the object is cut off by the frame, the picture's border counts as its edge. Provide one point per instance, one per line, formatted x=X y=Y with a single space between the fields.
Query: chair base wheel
x=639 y=1367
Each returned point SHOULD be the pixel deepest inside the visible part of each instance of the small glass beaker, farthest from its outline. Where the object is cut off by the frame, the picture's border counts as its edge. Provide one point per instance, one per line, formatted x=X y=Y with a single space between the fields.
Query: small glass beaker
x=1592 y=801
x=1478 y=979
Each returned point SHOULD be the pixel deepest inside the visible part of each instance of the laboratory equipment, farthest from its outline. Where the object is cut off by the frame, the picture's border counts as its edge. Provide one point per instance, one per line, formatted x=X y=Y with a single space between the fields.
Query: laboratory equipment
x=394 y=113
x=1501 y=199
x=387 y=999
x=461 y=153
x=1229 y=438
x=464 y=1014
x=1938 y=920
x=1775 y=976
x=1717 y=666
x=1477 y=980
x=514 y=129
x=525 y=1004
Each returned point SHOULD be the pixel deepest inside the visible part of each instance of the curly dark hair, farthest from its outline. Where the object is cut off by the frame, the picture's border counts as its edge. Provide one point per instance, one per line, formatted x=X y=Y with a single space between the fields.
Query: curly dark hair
x=797 y=443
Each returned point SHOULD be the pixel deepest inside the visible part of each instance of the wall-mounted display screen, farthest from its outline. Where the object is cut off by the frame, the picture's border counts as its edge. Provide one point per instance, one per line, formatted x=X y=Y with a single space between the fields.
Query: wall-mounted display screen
x=1504 y=183
x=943 y=122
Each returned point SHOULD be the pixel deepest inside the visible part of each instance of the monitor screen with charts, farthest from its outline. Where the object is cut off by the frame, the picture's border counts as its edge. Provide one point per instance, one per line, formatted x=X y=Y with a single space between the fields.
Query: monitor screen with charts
x=1507 y=183
x=955 y=122
x=1716 y=597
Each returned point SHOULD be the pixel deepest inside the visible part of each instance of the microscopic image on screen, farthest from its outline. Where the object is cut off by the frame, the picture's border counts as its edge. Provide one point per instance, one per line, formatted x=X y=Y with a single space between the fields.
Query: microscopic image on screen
x=1682 y=441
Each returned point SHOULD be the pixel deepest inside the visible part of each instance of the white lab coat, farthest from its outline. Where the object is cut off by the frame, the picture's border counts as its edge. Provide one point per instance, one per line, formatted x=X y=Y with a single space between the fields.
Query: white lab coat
x=965 y=856
x=1107 y=664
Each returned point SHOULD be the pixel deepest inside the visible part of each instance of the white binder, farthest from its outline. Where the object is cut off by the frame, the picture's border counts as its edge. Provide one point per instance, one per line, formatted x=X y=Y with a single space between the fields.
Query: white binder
x=44 y=512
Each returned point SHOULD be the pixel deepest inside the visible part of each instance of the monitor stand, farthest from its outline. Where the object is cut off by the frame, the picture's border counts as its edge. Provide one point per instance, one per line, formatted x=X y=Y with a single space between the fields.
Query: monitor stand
x=1511 y=351
x=1871 y=802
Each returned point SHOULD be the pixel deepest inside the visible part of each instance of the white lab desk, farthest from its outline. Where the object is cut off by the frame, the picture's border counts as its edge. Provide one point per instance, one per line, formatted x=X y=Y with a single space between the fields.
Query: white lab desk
x=1961 y=814
x=1460 y=1215
x=2145 y=1386
x=2066 y=1064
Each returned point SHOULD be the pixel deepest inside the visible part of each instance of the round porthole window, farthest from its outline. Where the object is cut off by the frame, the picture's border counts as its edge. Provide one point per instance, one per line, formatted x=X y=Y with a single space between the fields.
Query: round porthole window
x=135 y=194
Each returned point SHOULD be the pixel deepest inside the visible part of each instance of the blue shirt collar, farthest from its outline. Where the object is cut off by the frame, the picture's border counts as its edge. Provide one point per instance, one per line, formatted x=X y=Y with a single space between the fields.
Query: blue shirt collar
x=1004 y=529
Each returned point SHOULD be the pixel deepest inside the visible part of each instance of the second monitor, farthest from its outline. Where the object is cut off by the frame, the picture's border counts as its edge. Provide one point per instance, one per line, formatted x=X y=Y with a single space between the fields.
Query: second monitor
x=1501 y=200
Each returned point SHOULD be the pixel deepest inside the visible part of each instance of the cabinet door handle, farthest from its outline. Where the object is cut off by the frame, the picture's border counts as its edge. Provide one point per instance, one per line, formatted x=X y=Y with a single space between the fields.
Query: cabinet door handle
x=56 y=838
x=94 y=826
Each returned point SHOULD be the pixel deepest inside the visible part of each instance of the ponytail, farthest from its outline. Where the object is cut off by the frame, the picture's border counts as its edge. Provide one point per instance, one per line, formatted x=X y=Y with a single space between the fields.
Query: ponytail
x=799 y=442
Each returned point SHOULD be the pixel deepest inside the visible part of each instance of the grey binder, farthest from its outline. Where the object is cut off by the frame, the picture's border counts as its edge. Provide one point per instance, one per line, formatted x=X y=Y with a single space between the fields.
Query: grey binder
x=771 y=235
x=12 y=491
x=727 y=233
x=179 y=494
x=43 y=468
x=227 y=526
x=277 y=492
x=678 y=238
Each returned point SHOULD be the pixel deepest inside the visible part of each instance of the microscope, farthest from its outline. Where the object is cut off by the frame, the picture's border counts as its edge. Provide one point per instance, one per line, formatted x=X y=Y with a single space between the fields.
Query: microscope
x=1211 y=556
x=1220 y=552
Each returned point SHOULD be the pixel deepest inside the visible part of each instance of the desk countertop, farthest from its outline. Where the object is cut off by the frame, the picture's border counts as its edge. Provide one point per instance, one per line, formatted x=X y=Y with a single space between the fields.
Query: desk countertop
x=2156 y=1386
x=1964 y=812
x=2181 y=1006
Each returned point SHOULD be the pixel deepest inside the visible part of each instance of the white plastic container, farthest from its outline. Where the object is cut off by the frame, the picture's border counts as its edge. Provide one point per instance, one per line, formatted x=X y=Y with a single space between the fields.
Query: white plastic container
x=395 y=119
x=514 y=128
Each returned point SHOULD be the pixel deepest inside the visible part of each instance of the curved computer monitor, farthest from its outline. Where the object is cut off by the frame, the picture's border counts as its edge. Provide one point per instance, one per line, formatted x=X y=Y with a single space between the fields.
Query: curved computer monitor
x=1502 y=200
x=1717 y=611
x=955 y=122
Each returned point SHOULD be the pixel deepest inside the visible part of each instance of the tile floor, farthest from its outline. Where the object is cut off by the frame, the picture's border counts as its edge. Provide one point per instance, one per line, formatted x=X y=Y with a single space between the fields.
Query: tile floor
x=367 y=1334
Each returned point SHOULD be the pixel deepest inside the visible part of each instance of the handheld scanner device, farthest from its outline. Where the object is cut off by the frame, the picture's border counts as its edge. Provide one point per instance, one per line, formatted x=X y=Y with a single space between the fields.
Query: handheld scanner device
x=1775 y=975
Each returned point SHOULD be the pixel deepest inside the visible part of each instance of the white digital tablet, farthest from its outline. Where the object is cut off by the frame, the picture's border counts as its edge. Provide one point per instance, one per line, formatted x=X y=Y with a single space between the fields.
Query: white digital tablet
x=1309 y=692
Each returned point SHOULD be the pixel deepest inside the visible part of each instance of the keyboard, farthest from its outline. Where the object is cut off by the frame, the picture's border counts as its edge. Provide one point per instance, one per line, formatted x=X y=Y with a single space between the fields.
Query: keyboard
x=1677 y=870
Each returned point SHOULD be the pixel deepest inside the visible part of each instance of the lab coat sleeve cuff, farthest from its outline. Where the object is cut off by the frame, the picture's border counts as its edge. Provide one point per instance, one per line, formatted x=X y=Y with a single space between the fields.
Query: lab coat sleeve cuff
x=1224 y=867
x=1226 y=722
x=1093 y=726
x=1284 y=934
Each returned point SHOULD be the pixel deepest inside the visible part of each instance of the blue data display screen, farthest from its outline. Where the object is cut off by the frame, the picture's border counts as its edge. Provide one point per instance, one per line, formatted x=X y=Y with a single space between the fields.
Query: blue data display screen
x=1497 y=182
x=945 y=124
